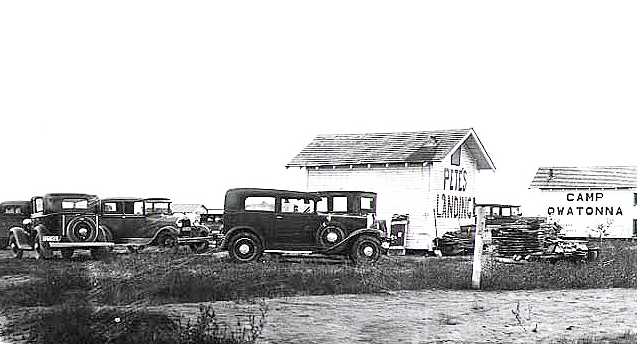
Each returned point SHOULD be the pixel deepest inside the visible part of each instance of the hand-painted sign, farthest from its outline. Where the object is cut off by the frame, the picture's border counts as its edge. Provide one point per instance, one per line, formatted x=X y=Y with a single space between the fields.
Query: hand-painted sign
x=454 y=203
x=585 y=209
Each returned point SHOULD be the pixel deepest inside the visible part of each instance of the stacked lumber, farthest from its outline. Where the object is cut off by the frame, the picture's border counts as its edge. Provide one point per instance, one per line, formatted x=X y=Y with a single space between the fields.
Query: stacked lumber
x=521 y=238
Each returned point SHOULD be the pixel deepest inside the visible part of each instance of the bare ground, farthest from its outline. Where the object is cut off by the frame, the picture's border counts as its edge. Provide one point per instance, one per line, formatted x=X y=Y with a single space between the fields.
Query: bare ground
x=438 y=316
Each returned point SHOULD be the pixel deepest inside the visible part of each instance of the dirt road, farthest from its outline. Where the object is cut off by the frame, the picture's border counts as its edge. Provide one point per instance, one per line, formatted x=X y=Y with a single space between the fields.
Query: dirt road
x=437 y=316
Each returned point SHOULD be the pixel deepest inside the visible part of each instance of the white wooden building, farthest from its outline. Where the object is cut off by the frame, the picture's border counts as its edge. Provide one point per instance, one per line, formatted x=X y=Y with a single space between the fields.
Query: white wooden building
x=429 y=175
x=581 y=199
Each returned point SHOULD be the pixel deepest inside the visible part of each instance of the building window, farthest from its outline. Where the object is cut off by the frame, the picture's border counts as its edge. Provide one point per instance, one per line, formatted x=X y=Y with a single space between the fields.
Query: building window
x=455 y=157
x=634 y=227
x=635 y=199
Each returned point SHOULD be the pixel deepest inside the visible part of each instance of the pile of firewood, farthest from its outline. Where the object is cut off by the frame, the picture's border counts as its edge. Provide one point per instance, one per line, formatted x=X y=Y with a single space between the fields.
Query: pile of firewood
x=518 y=239
x=456 y=243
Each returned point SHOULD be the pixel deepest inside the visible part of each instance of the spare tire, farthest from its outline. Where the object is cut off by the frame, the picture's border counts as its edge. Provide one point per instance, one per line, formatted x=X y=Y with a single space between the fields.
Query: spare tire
x=81 y=229
x=329 y=235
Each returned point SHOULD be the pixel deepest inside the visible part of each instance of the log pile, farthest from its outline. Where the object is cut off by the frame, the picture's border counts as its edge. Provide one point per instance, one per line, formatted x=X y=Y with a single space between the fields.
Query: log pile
x=456 y=243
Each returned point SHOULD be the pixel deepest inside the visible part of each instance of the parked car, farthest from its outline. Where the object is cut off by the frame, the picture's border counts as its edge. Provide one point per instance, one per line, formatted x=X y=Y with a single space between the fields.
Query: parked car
x=342 y=207
x=60 y=221
x=139 y=222
x=265 y=220
x=12 y=214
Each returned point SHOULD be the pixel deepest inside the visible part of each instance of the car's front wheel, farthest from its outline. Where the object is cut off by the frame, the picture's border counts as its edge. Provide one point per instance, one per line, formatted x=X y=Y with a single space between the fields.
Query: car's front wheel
x=16 y=252
x=366 y=249
x=245 y=247
x=167 y=240
x=42 y=249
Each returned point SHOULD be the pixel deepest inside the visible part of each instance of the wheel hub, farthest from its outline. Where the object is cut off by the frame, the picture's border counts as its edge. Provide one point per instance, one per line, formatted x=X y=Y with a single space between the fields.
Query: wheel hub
x=83 y=232
x=368 y=251
x=332 y=237
x=244 y=248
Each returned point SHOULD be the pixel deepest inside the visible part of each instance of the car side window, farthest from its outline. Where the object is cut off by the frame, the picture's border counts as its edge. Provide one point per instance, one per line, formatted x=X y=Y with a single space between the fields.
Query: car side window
x=321 y=206
x=259 y=203
x=297 y=205
x=138 y=208
x=130 y=208
x=367 y=203
x=39 y=205
x=18 y=210
x=339 y=203
x=111 y=208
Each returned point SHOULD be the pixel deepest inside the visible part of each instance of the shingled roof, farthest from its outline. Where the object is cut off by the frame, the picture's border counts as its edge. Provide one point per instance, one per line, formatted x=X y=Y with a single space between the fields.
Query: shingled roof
x=383 y=148
x=591 y=177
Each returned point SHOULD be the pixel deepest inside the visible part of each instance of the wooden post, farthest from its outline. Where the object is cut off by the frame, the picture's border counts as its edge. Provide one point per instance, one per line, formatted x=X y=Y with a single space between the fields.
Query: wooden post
x=477 y=250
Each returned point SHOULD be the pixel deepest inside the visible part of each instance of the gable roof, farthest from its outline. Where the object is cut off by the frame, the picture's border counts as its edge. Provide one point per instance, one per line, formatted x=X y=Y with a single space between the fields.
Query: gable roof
x=591 y=177
x=383 y=148
x=187 y=208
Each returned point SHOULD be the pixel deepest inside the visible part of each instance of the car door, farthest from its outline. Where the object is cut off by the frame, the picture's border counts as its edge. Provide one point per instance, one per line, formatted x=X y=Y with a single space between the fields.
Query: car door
x=113 y=218
x=258 y=212
x=296 y=224
x=135 y=222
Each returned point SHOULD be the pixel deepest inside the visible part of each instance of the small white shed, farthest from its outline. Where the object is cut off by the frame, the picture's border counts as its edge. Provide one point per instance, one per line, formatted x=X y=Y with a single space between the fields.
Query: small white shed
x=429 y=175
x=581 y=199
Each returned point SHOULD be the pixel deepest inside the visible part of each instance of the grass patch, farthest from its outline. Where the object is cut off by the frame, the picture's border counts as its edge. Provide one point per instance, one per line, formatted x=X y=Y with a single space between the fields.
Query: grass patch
x=616 y=268
x=201 y=279
x=78 y=322
x=48 y=285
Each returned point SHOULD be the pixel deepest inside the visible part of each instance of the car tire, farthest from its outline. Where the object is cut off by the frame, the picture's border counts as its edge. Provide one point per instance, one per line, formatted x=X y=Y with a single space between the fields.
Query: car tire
x=245 y=247
x=16 y=252
x=167 y=240
x=329 y=235
x=67 y=253
x=135 y=249
x=366 y=249
x=42 y=249
x=82 y=229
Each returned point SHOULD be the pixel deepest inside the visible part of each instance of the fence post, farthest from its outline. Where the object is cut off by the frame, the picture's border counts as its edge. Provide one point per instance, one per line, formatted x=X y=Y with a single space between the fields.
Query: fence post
x=477 y=250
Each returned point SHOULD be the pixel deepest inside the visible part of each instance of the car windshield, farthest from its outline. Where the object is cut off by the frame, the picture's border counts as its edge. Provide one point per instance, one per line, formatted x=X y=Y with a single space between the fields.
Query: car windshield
x=74 y=203
x=157 y=207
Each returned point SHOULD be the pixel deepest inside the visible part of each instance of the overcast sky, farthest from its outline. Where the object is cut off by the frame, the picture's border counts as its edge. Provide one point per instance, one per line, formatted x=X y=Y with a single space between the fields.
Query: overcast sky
x=185 y=99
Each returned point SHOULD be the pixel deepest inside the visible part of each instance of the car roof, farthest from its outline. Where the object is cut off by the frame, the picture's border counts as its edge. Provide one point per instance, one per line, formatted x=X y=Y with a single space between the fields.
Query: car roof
x=68 y=195
x=115 y=199
x=344 y=192
x=272 y=192
x=15 y=203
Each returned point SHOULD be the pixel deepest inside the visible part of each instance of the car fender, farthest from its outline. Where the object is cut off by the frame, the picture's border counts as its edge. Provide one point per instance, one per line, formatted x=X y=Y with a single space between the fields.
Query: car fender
x=228 y=235
x=172 y=230
x=345 y=243
x=22 y=237
x=104 y=234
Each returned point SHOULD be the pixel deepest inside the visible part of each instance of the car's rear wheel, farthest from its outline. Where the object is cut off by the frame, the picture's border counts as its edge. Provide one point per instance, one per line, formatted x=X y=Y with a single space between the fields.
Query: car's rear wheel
x=366 y=249
x=329 y=235
x=245 y=247
x=67 y=253
x=42 y=249
x=16 y=252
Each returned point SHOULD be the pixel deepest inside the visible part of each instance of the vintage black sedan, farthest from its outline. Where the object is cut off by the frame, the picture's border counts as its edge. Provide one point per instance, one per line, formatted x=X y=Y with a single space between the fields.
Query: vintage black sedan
x=139 y=222
x=12 y=213
x=60 y=221
x=280 y=221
